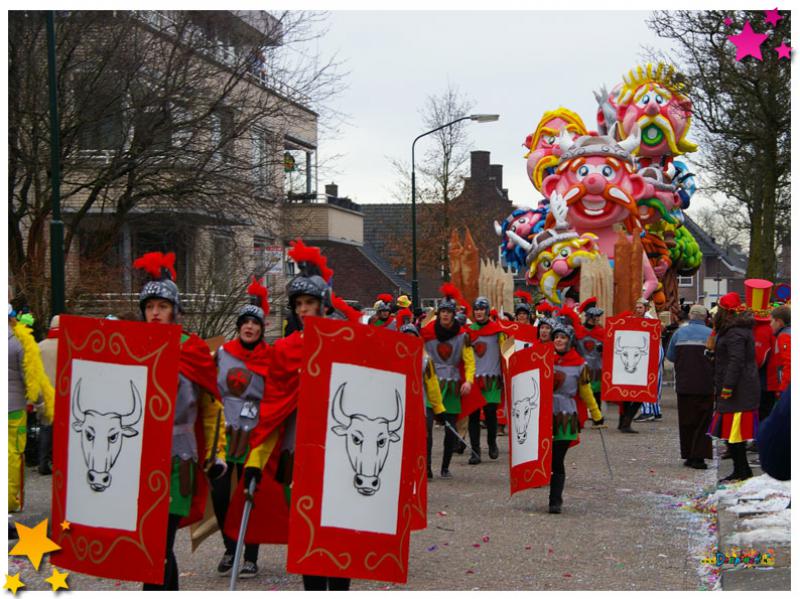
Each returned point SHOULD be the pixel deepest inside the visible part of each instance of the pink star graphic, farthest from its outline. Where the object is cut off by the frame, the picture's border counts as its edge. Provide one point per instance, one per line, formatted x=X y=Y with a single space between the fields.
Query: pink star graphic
x=772 y=17
x=748 y=42
x=728 y=21
x=783 y=51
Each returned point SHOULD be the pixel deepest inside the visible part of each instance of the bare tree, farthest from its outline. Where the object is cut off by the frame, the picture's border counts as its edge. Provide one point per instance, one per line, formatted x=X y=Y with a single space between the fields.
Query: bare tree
x=744 y=125
x=161 y=114
x=718 y=225
x=441 y=168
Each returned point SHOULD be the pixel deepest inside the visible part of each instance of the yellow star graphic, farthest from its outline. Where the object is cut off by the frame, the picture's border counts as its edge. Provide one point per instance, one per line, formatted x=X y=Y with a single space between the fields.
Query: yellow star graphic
x=33 y=543
x=65 y=525
x=58 y=580
x=13 y=583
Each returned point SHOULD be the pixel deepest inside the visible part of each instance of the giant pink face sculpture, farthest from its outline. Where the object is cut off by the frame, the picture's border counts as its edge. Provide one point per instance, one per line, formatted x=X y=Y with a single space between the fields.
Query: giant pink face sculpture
x=597 y=181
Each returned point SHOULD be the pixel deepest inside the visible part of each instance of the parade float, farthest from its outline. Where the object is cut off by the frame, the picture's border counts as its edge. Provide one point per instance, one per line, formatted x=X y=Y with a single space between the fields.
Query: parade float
x=609 y=221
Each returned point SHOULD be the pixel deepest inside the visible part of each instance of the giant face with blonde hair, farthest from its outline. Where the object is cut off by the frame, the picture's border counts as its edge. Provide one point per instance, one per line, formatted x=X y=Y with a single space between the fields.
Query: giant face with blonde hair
x=651 y=95
x=541 y=144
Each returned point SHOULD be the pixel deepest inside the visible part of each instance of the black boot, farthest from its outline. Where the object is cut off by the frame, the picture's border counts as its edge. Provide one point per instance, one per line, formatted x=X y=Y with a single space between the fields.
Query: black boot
x=556 y=490
x=475 y=456
x=741 y=469
x=494 y=451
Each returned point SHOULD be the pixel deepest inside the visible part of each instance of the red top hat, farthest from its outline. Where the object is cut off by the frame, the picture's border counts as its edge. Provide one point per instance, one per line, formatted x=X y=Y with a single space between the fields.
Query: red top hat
x=757 y=293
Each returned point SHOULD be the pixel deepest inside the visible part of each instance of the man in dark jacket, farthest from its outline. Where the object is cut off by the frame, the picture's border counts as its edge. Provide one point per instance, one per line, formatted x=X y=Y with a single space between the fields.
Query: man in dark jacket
x=694 y=384
x=775 y=439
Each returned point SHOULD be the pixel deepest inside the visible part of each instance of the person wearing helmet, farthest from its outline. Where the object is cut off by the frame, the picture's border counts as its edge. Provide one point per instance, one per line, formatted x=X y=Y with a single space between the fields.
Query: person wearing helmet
x=522 y=311
x=383 y=312
x=590 y=342
x=486 y=339
x=242 y=366
x=197 y=398
x=448 y=346
x=310 y=295
x=432 y=394
x=571 y=382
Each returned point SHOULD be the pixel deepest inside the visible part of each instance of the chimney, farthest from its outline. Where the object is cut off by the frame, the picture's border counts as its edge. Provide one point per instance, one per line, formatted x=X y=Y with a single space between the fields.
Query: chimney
x=479 y=167
x=496 y=171
x=332 y=190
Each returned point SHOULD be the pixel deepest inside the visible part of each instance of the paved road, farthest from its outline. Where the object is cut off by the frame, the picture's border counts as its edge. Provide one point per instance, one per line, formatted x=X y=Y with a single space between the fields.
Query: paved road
x=624 y=534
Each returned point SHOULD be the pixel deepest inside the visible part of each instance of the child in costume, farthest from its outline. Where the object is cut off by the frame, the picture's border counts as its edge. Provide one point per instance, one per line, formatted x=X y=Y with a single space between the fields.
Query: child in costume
x=242 y=366
x=432 y=395
x=448 y=346
x=309 y=294
x=571 y=381
x=486 y=340
x=196 y=413
x=383 y=311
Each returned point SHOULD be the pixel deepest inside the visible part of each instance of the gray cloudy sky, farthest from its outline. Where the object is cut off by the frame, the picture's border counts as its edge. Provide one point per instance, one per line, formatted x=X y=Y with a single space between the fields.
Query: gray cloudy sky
x=516 y=64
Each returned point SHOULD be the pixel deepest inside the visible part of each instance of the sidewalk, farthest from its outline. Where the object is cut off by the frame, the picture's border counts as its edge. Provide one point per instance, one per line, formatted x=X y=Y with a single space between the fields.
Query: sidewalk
x=753 y=523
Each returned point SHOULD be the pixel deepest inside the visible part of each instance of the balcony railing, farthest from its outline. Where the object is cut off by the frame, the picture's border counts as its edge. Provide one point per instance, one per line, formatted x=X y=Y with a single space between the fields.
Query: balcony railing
x=226 y=55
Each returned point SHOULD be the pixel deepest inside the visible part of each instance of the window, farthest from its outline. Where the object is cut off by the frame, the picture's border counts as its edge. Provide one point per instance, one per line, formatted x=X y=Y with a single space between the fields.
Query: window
x=152 y=127
x=222 y=134
x=99 y=107
x=222 y=267
x=261 y=161
x=685 y=281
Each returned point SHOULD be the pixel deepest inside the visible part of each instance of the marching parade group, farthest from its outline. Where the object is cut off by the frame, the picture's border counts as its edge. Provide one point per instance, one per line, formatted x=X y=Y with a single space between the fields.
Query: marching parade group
x=728 y=377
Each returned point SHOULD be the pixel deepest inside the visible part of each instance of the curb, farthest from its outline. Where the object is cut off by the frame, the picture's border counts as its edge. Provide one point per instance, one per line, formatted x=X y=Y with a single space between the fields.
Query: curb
x=737 y=574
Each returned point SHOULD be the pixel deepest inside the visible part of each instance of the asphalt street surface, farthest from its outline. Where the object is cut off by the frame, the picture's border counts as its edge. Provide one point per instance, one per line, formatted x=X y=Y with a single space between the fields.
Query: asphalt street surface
x=613 y=534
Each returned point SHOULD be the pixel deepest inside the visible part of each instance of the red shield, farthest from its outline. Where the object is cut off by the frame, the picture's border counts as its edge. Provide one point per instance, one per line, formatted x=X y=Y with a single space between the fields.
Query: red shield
x=359 y=452
x=115 y=385
x=631 y=359
x=529 y=408
x=480 y=348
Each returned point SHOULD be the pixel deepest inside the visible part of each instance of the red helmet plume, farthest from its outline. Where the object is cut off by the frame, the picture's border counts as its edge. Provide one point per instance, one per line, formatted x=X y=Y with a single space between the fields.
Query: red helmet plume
x=524 y=296
x=307 y=256
x=259 y=295
x=346 y=309
x=588 y=303
x=157 y=265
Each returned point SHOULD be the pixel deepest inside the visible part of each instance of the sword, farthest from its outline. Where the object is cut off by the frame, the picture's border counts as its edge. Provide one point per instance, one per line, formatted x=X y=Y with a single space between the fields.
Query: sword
x=455 y=432
x=605 y=452
x=237 y=556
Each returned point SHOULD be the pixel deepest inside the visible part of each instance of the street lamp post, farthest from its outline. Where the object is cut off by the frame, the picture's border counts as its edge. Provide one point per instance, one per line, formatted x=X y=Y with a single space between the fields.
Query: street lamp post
x=56 y=224
x=479 y=118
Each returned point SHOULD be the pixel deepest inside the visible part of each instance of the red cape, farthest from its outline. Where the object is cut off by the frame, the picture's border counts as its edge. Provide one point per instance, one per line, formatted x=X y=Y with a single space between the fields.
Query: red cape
x=269 y=517
x=519 y=331
x=492 y=327
x=197 y=365
x=257 y=360
x=597 y=332
x=282 y=386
